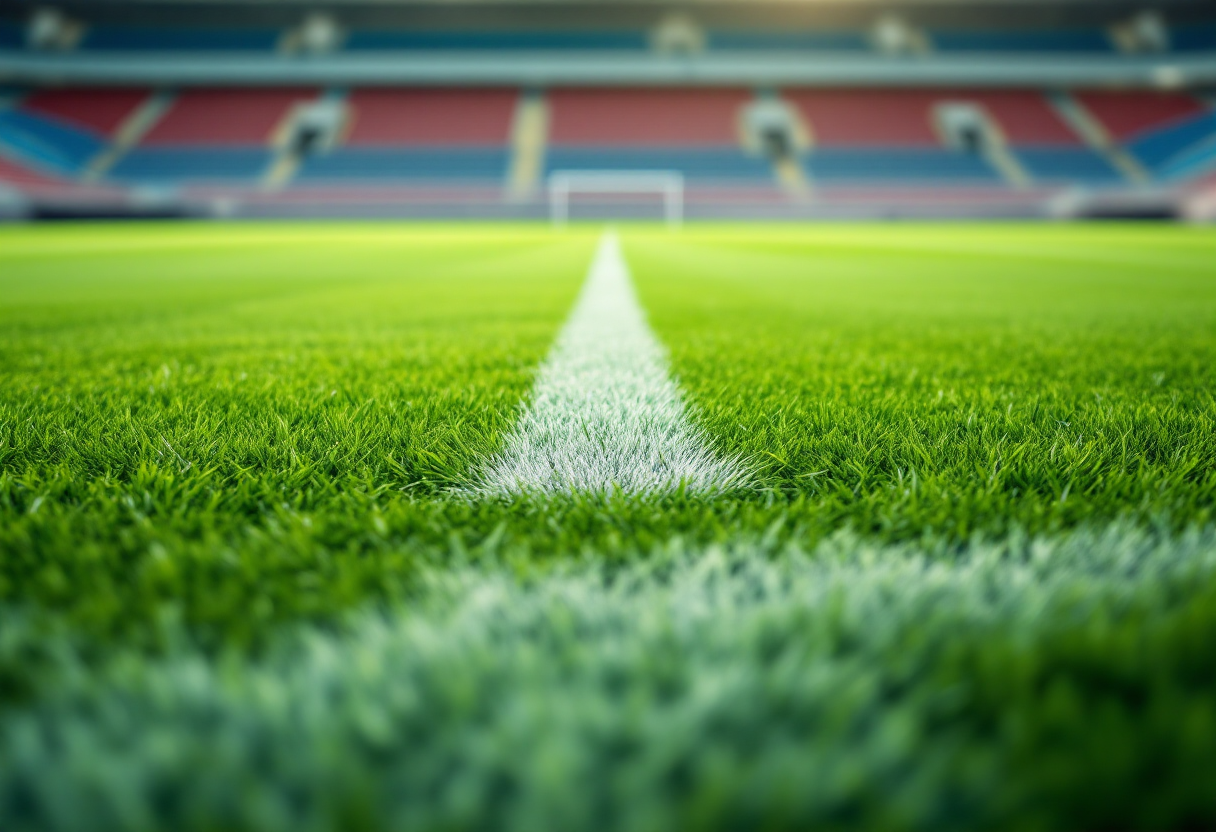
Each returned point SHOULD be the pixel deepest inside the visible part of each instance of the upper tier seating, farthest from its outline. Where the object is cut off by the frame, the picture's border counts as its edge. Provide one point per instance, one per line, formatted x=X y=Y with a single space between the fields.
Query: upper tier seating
x=369 y=39
x=206 y=135
x=103 y=36
x=763 y=40
x=1194 y=37
x=420 y=135
x=694 y=132
x=1039 y=40
x=168 y=39
x=12 y=35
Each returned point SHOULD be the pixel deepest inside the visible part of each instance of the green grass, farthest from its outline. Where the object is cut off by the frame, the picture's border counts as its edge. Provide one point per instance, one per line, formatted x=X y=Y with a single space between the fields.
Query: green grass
x=952 y=380
x=227 y=462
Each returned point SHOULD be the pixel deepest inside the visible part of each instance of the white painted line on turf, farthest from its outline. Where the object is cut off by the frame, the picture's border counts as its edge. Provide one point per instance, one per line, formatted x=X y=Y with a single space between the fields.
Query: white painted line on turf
x=604 y=413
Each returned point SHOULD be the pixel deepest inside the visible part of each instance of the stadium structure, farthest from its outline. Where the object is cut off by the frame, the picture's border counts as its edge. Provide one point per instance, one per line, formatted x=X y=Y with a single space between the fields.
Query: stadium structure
x=722 y=109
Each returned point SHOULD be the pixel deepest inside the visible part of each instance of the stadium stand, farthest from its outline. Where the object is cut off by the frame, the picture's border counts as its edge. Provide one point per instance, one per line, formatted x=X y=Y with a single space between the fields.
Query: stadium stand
x=60 y=132
x=694 y=132
x=421 y=136
x=18 y=176
x=111 y=38
x=899 y=165
x=397 y=123
x=1172 y=150
x=1042 y=142
x=1171 y=134
x=876 y=135
x=1197 y=37
x=964 y=40
x=646 y=117
x=100 y=111
x=1127 y=114
x=225 y=117
x=385 y=165
x=464 y=117
x=808 y=41
x=161 y=165
x=211 y=135
x=867 y=117
x=868 y=136
x=12 y=35
x=1025 y=116
x=363 y=39
x=47 y=143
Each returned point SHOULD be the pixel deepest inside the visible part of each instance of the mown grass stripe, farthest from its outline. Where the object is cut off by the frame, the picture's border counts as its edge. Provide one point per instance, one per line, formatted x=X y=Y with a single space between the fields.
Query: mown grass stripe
x=605 y=414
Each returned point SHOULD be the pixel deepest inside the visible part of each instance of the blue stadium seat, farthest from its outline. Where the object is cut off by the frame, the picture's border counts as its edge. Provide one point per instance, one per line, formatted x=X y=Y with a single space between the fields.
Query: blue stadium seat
x=696 y=163
x=1196 y=37
x=1066 y=164
x=1196 y=160
x=12 y=35
x=1160 y=147
x=162 y=165
x=376 y=164
x=809 y=41
x=902 y=165
x=47 y=143
x=150 y=39
x=1046 y=40
x=407 y=40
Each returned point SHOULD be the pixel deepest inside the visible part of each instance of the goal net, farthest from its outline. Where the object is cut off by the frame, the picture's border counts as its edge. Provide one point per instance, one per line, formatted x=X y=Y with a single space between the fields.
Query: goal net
x=566 y=184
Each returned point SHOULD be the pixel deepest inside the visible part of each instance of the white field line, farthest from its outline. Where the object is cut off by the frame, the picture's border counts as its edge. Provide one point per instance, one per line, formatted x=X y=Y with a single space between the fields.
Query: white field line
x=604 y=413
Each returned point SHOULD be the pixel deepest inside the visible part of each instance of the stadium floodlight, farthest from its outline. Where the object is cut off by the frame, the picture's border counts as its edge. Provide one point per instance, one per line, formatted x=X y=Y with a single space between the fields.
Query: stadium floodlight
x=565 y=183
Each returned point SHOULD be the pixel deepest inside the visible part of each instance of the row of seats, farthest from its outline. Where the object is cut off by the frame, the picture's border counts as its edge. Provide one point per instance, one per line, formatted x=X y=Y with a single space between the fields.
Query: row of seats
x=464 y=135
x=699 y=166
x=388 y=116
x=103 y=37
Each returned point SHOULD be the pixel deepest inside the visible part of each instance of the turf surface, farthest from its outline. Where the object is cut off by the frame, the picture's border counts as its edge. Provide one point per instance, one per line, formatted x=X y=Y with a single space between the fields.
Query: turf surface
x=215 y=440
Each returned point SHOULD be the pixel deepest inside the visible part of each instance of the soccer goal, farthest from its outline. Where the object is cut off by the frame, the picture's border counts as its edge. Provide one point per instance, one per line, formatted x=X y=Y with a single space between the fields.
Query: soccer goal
x=669 y=184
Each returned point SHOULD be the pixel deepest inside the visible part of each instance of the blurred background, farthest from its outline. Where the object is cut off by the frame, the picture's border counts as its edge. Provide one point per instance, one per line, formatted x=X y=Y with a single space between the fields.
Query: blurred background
x=586 y=108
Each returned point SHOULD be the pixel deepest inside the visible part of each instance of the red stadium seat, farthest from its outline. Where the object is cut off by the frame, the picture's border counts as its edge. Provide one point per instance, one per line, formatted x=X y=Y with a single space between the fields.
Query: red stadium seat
x=100 y=111
x=405 y=117
x=646 y=117
x=225 y=117
x=1127 y=114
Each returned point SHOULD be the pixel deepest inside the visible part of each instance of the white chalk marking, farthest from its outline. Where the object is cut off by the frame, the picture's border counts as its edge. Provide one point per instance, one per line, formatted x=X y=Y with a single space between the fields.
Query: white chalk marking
x=604 y=412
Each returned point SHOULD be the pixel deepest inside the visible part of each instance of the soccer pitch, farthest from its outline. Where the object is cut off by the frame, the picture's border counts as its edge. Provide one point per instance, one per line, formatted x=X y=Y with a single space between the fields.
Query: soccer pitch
x=251 y=576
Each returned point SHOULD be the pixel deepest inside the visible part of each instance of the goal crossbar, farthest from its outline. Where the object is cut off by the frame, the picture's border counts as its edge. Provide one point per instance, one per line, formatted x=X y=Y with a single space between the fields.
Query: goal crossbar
x=668 y=183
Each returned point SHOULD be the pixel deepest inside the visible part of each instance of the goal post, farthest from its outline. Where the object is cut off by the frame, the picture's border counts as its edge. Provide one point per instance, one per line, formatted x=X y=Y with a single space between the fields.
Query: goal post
x=565 y=183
